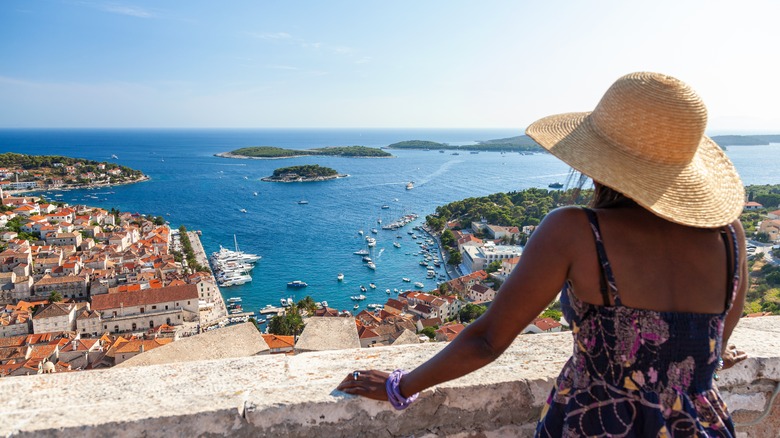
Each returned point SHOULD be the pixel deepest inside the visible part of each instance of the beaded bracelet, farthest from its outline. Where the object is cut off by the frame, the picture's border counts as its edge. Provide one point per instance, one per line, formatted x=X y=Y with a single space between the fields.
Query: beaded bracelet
x=715 y=375
x=392 y=386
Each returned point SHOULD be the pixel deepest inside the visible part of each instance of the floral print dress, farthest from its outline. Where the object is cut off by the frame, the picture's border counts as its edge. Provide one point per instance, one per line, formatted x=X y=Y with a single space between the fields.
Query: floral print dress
x=635 y=372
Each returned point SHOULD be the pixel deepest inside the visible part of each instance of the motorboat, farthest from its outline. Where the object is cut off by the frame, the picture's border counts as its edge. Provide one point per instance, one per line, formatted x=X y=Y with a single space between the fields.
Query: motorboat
x=360 y=297
x=410 y=185
x=419 y=285
x=396 y=244
x=297 y=284
x=406 y=279
x=372 y=285
x=362 y=252
x=340 y=277
x=371 y=265
x=363 y=288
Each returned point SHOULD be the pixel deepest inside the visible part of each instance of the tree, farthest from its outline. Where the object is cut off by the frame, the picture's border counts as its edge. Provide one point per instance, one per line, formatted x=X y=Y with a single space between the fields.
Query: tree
x=430 y=332
x=447 y=238
x=455 y=257
x=289 y=324
x=552 y=313
x=55 y=297
x=470 y=312
x=493 y=266
x=762 y=237
x=444 y=288
x=307 y=304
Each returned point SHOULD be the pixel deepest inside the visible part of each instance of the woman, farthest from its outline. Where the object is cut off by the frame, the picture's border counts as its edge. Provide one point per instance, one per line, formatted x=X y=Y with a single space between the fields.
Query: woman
x=653 y=275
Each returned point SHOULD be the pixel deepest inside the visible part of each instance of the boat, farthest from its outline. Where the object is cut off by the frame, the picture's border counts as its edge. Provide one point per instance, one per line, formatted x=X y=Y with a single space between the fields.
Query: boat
x=372 y=285
x=474 y=152
x=367 y=259
x=423 y=263
x=555 y=185
x=385 y=207
x=297 y=284
x=410 y=185
x=419 y=284
x=363 y=288
x=113 y=156
x=356 y=306
x=455 y=153
x=232 y=300
x=396 y=244
x=303 y=202
x=361 y=252
x=441 y=151
x=406 y=279
x=387 y=291
x=340 y=277
x=374 y=230
x=324 y=303
x=371 y=265
x=375 y=306
x=261 y=321
x=254 y=193
x=283 y=302
x=371 y=242
x=243 y=210
x=360 y=232
x=360 y=297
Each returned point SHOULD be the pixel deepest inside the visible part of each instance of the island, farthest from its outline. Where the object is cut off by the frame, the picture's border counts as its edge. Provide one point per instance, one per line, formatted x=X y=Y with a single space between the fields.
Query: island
x=276 y=152
x=521 y=143
x=53 y=172
x=305 y=173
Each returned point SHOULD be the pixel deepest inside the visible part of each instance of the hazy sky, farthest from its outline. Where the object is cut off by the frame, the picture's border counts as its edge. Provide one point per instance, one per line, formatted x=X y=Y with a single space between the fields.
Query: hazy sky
x=417 y=63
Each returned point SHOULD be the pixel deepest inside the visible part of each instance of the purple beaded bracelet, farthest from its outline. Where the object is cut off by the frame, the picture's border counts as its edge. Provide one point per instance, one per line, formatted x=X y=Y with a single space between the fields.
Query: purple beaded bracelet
x=392 y=386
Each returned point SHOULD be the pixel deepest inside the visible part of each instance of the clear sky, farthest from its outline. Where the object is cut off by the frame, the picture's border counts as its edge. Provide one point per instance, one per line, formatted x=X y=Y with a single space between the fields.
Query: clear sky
x=415 y=63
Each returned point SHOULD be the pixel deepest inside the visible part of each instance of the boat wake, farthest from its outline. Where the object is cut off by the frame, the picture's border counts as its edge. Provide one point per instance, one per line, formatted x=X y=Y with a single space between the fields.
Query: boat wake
x=440 y=171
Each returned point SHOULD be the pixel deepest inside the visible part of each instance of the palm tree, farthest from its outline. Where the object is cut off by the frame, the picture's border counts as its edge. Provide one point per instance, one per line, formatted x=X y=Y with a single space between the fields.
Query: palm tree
x=55 y=297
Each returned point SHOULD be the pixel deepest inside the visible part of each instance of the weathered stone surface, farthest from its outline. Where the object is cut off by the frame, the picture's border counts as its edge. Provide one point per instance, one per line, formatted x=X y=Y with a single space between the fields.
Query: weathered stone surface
x=328 y=333
x=240 y=340
x=294 y=396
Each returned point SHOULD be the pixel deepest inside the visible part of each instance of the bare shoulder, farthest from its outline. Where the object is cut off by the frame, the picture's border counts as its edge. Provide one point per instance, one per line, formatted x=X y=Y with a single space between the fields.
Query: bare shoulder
x=561 y=227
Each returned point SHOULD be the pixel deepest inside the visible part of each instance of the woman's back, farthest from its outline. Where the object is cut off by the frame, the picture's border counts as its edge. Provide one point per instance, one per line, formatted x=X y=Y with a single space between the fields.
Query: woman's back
x=658 y=265
x=644 y=368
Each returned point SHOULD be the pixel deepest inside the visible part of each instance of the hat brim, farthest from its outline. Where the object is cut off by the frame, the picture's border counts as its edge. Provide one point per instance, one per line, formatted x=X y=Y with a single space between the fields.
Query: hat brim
x=706 y=192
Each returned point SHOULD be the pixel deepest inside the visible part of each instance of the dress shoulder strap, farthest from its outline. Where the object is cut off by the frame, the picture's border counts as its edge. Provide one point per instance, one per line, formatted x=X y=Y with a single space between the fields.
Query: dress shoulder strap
x=732 y=265
x=607 y=278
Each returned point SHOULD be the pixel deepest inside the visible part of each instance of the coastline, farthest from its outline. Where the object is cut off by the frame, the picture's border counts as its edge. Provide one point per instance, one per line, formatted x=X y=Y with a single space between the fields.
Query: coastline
x=302 y=179
x=245 y=157
x=64 y=188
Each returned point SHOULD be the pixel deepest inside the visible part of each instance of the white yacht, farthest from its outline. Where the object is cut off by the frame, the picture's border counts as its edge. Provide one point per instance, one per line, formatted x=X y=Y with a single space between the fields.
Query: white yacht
x=340 y=277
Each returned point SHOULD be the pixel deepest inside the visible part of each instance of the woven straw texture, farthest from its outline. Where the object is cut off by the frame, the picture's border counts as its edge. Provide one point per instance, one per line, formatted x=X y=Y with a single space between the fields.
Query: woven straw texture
x=646 y=140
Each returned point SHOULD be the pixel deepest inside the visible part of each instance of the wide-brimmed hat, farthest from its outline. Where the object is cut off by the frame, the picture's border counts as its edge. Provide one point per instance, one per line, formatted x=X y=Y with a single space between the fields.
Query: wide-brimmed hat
x=646 y=140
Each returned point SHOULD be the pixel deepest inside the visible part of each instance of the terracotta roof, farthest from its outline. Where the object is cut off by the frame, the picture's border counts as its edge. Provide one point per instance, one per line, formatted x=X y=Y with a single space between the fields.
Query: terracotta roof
x=53 y=310
x=134 y=346
x=275 y=341
x=545 y=324
x=47 y=280
x=146 y=296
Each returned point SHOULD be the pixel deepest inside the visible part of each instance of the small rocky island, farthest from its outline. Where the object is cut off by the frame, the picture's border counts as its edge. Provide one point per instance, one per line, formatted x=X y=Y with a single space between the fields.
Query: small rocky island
x=275 y=152
x=305 y=173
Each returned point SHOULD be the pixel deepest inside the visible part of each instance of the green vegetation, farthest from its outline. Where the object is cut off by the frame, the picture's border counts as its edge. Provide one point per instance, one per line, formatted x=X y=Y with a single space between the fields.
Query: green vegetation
x=307 y=305
x=189 y=253
x=306 y=171
x=470 y=312
x=55 y=297
x=521 y=143
x=513 y=209
x=341 y=151
x=764 y=292
x=55 y=165
x=289 y=324
x=430 y=332
x=745 y=140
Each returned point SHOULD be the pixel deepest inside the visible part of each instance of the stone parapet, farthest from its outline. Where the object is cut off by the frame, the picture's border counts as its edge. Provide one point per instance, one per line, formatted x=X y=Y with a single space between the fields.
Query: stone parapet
x=294 y=396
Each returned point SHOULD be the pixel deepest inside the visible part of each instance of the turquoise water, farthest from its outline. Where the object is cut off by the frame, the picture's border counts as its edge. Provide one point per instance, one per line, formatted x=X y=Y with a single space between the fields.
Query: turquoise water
x=312 y=242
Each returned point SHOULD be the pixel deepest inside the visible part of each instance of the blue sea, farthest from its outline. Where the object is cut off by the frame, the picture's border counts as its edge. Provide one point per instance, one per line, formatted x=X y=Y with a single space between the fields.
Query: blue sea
x=310 y=242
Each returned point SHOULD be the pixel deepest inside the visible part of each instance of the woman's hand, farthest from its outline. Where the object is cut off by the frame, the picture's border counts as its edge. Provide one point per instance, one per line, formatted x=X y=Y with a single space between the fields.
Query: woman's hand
x=370 y=384
x=731 y=356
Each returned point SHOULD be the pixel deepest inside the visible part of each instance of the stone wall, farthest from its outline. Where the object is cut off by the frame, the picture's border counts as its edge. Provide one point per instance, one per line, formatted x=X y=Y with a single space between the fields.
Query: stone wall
x=294 y=396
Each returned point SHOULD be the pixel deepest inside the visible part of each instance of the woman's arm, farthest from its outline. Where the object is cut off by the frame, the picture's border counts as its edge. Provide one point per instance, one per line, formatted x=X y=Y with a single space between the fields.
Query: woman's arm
x=534 y=283
x=731 y=355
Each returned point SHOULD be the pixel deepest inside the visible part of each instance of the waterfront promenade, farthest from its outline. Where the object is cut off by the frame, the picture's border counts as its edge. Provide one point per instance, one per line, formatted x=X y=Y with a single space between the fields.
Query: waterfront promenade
x=219 y=311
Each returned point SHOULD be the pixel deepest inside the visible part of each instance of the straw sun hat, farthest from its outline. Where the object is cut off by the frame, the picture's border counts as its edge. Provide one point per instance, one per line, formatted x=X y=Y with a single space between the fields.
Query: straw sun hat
x=646 y=140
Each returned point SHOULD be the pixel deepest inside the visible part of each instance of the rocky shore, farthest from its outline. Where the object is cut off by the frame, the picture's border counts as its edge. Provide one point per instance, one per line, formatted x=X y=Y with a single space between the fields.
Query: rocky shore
x=297 y=178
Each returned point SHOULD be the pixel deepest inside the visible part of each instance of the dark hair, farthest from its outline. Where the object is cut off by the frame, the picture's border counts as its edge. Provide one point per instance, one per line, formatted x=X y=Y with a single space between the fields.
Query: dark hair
x=605 y=197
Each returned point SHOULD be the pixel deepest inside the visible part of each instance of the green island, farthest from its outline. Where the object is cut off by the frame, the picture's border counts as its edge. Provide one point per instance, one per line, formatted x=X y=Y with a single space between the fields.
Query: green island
x=745 y=140
x=55 y=172
x=275 y=152
x=528 y=207
x=305 y=173
x=521 y=143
